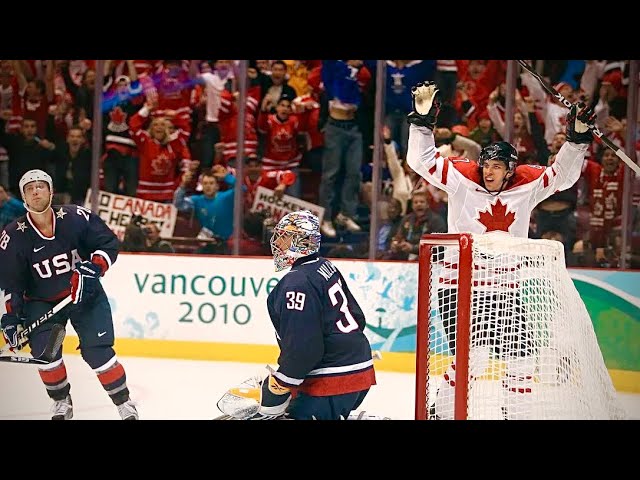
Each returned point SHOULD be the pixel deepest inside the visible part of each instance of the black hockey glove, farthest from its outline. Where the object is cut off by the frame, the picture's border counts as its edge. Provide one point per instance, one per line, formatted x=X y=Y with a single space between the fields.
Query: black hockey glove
x=84 y=281
x=579 y=118
x=426 y=105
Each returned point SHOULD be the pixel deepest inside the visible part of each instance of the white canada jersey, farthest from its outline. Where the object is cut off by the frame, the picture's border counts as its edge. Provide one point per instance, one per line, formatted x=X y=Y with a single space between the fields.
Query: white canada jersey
x=472 y=209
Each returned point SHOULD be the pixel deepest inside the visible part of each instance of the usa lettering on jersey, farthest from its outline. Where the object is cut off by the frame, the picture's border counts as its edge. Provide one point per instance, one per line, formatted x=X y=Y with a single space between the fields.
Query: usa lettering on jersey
x=62 y=263
x=40 y=266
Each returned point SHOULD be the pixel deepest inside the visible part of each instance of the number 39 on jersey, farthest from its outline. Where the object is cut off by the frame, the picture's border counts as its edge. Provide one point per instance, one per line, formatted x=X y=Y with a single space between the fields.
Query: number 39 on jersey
x=295 y=300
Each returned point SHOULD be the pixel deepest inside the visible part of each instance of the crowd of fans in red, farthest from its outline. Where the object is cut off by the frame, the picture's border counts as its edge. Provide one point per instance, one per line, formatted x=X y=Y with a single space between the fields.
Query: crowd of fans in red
x=169 y=131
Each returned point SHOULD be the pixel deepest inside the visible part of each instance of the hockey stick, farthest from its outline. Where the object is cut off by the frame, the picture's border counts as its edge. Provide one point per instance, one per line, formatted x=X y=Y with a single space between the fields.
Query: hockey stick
x=619 y=152
x=57 y=337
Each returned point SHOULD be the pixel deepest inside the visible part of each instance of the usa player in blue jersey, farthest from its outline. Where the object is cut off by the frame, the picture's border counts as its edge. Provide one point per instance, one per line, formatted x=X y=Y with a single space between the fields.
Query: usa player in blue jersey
x=45 y=255
x=325 y=368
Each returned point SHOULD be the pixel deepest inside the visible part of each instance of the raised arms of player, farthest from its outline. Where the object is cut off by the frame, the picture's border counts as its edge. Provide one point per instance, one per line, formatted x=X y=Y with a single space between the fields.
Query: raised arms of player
x=564 y=172
x=567 y=168
x=298 y=318
x=422 y=155
x=424 y=158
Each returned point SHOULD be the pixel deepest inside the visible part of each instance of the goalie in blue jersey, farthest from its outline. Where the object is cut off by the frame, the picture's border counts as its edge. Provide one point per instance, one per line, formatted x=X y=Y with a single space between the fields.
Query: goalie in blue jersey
x=325 y=368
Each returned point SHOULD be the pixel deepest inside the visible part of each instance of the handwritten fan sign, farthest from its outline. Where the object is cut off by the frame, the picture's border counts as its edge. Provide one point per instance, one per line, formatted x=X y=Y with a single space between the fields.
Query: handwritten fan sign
x=279 y=207
x=116 y=210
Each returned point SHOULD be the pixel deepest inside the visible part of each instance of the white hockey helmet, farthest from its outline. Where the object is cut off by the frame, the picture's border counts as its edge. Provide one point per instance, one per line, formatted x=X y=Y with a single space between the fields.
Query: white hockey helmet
x=303 y=227
x=35 y=176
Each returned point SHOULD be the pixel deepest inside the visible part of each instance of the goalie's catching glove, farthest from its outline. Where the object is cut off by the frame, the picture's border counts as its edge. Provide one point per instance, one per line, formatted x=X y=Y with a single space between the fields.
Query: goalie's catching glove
x=256 y=398
x=426 y=105
x=579 y=118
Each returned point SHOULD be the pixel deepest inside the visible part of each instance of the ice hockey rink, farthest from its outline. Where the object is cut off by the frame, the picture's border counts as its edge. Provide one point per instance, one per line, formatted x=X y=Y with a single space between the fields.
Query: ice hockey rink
x=168 y=389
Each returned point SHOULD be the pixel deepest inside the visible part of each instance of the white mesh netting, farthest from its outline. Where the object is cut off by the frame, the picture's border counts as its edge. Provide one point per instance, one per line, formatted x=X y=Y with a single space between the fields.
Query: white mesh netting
x=533 y=352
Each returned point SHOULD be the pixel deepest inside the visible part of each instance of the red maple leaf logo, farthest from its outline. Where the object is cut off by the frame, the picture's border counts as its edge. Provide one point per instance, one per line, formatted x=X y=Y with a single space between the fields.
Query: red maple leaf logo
x=496 y=217
x=117 y=115
x=160 y=165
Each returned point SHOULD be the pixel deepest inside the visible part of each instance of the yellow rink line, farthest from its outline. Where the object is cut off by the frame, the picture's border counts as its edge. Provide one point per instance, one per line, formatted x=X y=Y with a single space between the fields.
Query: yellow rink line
x=623 y=380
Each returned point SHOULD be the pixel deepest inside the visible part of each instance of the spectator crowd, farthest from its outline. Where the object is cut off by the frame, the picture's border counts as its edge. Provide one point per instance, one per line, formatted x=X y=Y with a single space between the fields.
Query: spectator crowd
x=169 y=135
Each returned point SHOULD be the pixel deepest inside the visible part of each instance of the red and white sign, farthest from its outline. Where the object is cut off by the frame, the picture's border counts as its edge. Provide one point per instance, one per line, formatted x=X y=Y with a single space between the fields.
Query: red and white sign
x=279 y=207
x=117 y=210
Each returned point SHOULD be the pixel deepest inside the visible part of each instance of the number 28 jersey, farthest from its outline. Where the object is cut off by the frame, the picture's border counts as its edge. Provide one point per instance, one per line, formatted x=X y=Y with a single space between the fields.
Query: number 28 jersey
x=320 y=330
x=39 y=267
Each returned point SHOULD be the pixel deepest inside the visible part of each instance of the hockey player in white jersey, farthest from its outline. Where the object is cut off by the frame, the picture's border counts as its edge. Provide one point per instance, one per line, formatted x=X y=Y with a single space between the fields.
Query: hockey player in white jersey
x=492 y=194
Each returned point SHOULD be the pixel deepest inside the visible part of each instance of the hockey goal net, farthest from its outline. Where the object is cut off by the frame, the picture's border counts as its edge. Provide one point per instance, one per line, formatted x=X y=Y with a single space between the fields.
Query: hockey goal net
x=503 y=333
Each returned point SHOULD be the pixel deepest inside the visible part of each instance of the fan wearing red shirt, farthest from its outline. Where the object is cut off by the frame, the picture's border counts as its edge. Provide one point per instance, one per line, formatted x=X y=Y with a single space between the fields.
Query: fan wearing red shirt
x=228 y=125
x=174 y=94
x=256 y=176
x=160 y=153
x=32 y=100
x=281 y=131
x=606 y=200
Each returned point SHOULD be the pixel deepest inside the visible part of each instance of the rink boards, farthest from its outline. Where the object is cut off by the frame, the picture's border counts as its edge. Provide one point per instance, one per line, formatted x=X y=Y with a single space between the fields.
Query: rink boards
x=214 y=308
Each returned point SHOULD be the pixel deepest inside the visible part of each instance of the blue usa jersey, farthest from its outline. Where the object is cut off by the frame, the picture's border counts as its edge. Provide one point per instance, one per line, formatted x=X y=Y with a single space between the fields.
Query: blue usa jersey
x=38 y=267
x=320 y=330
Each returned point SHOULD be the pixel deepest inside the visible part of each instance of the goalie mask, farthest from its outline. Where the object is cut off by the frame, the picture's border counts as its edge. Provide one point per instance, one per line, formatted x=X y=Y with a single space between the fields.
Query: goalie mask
x=503 y=151
x=296 y=235
x=36 y=176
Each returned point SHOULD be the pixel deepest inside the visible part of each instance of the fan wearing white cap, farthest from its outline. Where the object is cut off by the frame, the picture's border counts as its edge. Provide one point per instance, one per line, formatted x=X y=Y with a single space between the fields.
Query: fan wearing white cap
x=48 y=254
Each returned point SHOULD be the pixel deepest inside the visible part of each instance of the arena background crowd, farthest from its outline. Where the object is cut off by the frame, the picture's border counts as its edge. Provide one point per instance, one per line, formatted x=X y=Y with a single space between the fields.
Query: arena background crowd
x=313 y=131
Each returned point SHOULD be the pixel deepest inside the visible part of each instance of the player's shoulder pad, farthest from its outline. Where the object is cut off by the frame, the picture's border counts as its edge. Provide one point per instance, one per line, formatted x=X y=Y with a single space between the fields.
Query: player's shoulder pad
x=324 y=271
x=68 y=208
x=77 y=213
x=468 y=168
x=14 y=236
x=527 y=173
x=20 y=222
x=299 y=277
